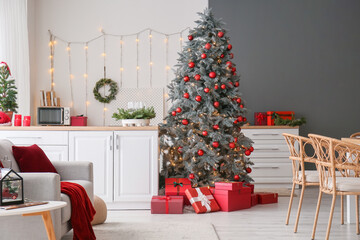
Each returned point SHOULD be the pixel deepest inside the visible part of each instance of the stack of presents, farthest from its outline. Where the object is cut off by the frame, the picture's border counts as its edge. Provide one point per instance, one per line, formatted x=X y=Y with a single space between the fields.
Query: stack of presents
x=225 y=196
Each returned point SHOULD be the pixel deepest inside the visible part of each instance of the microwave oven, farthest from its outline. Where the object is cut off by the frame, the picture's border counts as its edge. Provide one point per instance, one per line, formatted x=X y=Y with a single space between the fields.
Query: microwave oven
x=53 y=116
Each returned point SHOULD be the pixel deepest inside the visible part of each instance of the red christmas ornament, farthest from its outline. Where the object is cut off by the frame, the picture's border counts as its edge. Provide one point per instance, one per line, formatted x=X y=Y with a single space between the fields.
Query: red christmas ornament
x=236 y=121
x=247 y=152
x=191 y=176
x=244 y=119
x=185 y=122
x=203 y=56
x=229 y=47
x=236 y=178
x=248 y=170
x=186 y=95
x=178 y=110
x=198 y=98
x=234 y=73
x=180 y=149
x=241 y=106
x=186 y=79
x=251 y=149
x=229 y=64
x=190 y=37
x=220 y=34
x=205 y=133
x=216 y=104
x=208 y=46
x=173 y=113
x=233 y=69
x=222 y=56
x=231 y=55
x=197 y=77
x=238 y=100
x=236 y=84
x=206 y=90
x=240 y=119
x=223 y=86
x=215 y=144
x=191 y=64
x=231 y=145
x=212 y=74
x=216 y=87
x=200 y=152
x=216 y=127
x=231 y=83
x=235 y=139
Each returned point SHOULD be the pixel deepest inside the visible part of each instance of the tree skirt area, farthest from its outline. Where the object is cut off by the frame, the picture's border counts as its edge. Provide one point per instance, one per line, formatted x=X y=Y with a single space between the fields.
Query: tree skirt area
x=155 y=230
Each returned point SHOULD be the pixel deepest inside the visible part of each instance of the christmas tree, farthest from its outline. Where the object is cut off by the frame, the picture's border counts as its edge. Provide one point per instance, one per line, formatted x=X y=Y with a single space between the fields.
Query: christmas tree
x=202 y=138
x=7 y=89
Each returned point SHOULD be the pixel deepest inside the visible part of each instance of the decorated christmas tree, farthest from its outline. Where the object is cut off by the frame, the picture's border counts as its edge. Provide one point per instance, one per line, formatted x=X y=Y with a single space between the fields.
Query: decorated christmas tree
x=202 y=138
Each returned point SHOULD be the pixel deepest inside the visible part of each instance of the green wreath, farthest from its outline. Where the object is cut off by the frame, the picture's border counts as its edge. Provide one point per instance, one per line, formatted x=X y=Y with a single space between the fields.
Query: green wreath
x=102 y=83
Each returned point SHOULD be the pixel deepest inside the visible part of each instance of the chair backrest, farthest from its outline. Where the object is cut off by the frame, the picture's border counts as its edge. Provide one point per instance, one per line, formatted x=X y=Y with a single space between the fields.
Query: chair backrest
x=355 y=135
x=334 y=156
x=298 y=155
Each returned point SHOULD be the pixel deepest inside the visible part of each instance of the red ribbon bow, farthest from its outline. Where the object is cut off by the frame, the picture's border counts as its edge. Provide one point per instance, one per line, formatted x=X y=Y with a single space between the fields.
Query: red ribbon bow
x=166 y=198
x=6 y=67
x=260 y=117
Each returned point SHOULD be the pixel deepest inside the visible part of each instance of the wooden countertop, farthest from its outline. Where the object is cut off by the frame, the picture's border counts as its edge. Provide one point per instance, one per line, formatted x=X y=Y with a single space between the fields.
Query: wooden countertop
x=111 y=128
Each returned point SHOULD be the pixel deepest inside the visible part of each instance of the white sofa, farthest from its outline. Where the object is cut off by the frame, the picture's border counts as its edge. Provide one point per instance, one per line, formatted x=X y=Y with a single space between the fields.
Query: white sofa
x=45 y=186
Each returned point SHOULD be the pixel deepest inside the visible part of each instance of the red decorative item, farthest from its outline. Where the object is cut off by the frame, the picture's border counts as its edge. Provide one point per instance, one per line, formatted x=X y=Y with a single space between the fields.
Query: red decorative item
x=232 y=200
x=231 y=145
x=238 y=100
x=236 y=84
x=229 y=47
x=283 y=115
x=77 y=121
x=205 y=133
x=178 y=110
x=200 y=152
x=240 y=119
x=186 y=79
x=191 y=176
x=216 y=127
x=216 y=87
x=190 y=37
x=186 y=95
x=185 y=122
x=206 y=90
x=212 y=74
x=222 y=56
x=265 y=198
x=198 y=98
x=202 y=200
x=167 y=204
x=251 y=149
x=27 y=121
x=173 y=113
x=231 y=55
x=191 y=64
x=236 y=178
x=197 y=77
x=244 y=119
x=229 y=64
x=248 y=170
x=223 y=86
x=220 y=34
x=208 y=46
x=247 y=152
x=216 y=104
x=230 y=186
x=236 y=121
x=180 y=149
x=215 y=144
x=241 y=106
x=233 y=69
x=250 y=185
x=4 y=119
x=260 y=118
x=235 y=139
x=234 y=73
x=203 y=56
x=177 y=187
x=254 y=199
x=17 y=120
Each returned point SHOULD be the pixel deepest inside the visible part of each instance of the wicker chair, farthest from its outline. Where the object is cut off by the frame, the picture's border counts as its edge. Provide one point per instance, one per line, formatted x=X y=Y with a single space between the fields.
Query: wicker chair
x=335 y=156
x=355 y=135
x=301 y=177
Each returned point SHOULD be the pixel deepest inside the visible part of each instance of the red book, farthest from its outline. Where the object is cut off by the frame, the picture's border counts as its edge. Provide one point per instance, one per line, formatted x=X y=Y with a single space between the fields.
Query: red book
x=233 y=200
x=177 y=187
x=265 y=198
x=167 y=204
x=254 y=199
x=202 y=200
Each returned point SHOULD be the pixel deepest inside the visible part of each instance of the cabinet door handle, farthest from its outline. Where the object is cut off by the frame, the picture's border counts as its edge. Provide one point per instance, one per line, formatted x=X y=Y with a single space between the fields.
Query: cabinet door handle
x=117 y=142
x=265 y=167
x=267 y=148
x=265 y=134
x=111 y=143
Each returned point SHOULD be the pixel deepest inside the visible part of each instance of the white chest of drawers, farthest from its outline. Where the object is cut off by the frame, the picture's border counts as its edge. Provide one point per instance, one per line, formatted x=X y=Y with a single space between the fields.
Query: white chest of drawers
x=272 y=167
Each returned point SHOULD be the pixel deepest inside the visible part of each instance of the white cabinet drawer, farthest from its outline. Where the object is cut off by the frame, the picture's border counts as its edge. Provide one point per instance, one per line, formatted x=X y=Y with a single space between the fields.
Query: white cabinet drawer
x=271 y=170
x=268 y=133
x=36 y=137
x=270 y=150
x=257 y=160
x=56 y=153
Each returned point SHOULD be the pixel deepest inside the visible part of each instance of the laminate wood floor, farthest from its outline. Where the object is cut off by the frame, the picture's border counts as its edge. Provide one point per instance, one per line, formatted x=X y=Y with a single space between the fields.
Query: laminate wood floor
x=259 y=222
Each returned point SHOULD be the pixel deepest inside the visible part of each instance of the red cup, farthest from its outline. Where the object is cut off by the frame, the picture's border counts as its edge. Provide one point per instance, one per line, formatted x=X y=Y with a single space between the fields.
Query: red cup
x=17 y=120
x=27 y=121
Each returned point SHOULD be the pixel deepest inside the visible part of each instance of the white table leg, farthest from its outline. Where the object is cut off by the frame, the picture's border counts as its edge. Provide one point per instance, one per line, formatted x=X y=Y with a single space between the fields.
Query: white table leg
x=350 y=209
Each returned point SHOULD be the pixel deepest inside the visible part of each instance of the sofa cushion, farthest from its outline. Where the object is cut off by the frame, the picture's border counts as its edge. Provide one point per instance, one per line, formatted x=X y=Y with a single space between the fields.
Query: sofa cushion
x=66 y=211
x=32 y=159
x=6 y=150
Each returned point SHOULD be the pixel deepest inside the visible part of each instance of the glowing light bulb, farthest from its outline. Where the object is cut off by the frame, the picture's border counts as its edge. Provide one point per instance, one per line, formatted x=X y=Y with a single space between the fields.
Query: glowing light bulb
x=137 y=67
x=55 y=42
x=50 y=43
x=53 y=84
x=121 y=69
x=85 y=75
x=51 y=56
x=167 y=67
x=166 y=40
x=86 y=47
x=181 y=39
x=121 y=42
x=103 y=54
x=151 y=63
x=150 y=36
x=71 y=76
x=87 y=103
x=68 y=49
x=137 y=40
x=105 y=109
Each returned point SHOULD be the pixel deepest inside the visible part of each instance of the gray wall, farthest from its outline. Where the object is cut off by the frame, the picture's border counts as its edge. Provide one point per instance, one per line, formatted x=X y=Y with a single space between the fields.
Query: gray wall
x=300 y=55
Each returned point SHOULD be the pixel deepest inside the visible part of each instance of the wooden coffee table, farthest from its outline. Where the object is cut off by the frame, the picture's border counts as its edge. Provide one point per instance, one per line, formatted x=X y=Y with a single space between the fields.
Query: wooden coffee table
x=43 y=210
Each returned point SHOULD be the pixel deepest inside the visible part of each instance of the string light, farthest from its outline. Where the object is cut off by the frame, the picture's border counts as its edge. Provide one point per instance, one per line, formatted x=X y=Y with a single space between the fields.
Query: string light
x=71 y=76
x=86 y=47
x=121 y=59
x=137 y=61
x=150 y=56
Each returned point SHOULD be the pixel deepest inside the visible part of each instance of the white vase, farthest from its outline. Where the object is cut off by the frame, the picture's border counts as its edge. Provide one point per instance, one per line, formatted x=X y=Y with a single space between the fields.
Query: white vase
x=135 y=122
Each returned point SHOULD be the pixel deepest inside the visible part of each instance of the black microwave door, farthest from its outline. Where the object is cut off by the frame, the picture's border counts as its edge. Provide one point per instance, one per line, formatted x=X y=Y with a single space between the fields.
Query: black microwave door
x=50 y=116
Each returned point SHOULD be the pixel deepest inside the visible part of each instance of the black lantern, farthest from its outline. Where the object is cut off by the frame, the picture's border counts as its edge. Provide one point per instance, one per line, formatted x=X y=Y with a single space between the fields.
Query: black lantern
x=11 y=187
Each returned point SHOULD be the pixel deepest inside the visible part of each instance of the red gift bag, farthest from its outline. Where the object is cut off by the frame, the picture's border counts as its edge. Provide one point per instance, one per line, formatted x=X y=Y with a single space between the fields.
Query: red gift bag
x=202 y=200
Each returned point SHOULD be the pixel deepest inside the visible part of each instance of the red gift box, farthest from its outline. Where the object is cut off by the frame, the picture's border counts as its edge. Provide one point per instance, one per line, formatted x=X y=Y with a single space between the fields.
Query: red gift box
x=202 y=200
x=177 y=187
x=251 y=186
x=260 y=118
x=254 y=199
x=265 y=198
x=284 y=115
x=231 y=186
x=78 y=121
x=167 y=204
x=233 y=200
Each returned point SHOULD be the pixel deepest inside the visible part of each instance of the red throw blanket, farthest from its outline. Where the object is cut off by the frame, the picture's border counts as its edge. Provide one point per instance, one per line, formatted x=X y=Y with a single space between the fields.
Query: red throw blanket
x=82 y=211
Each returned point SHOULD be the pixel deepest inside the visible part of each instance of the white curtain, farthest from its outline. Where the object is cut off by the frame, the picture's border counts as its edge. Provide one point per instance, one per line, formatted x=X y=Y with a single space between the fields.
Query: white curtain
x=14 y=48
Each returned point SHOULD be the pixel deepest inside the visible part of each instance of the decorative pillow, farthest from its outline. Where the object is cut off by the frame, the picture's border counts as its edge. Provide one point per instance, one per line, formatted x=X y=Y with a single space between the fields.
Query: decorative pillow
x=32 y=159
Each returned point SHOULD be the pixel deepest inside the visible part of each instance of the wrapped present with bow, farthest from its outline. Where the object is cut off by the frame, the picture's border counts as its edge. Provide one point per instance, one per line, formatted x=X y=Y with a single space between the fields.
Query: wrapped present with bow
x=167 y=204
x=287 y=115
x=177 y=187
x=202 y=200
x=260 y=118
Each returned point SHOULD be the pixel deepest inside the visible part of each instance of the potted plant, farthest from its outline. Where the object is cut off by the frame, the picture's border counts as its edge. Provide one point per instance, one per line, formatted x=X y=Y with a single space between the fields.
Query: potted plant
x=7 y=91
x=138 y=117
